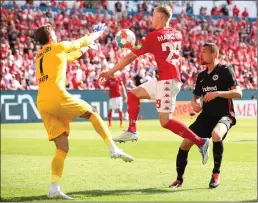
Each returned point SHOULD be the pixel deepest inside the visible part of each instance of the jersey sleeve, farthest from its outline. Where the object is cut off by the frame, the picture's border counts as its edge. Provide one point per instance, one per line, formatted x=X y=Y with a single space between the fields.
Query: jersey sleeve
x=143 y=47
x=69 y=46
x=230 y=77
x=198 y=89
x=74 y=55
x=106 y=84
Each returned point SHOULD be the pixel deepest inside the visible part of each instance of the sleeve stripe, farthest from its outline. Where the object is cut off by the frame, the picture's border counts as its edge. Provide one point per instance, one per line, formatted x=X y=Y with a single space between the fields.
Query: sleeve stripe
x=134 y=53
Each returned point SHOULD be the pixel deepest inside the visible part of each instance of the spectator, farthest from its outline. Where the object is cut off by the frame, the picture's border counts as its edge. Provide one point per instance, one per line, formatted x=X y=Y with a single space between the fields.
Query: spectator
x=236 y=11
x=145 y=6
x=118 y=10
x=42 y=3
x=215 y=11
x=189 y=8
x=29 y=2
x=224 y=10
x=118 y=7
x=245 y=13
x=77 y=4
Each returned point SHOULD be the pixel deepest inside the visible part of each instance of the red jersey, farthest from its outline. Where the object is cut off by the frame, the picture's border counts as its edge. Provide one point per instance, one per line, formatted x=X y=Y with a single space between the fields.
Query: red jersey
x=165 y=45
x=115 y=87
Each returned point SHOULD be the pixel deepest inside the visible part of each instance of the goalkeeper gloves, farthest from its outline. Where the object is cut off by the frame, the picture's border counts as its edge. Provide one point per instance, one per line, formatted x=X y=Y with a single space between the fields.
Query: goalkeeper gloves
x=98 y=31
x=91 y=46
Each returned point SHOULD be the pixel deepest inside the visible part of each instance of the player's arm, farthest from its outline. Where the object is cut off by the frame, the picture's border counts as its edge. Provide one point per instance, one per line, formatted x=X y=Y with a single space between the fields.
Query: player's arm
x=234 y=92
x=69 y=46
x=124 y=91
x=232 y=84
x=129 y=58
x=74 y=55
x=196 y=99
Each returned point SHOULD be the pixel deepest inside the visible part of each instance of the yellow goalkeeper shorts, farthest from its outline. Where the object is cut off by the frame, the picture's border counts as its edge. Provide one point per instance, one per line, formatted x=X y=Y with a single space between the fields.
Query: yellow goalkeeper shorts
x=57 y=112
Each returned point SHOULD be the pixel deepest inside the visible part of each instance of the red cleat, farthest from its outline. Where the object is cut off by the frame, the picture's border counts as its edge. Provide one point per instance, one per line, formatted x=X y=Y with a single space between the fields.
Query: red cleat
x=176 y=184
x=215 y=179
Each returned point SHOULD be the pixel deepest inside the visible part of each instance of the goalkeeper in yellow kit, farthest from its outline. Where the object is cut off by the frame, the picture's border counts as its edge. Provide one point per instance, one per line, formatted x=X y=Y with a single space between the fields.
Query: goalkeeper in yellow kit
x=56 y=106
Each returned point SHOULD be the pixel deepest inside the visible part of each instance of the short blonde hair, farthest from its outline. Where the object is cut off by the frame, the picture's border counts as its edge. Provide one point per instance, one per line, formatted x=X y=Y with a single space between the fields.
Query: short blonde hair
x=166 y=10
x=213 y=48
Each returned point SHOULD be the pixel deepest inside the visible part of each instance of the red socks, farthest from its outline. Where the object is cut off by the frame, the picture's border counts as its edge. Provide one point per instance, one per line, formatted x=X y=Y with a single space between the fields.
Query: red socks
x=183 y=131
x=109 y=118
x=133 y=111
x=121 y=117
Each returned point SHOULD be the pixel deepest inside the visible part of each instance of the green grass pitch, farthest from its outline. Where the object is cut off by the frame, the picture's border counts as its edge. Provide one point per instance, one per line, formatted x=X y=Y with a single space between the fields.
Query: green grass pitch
x=90 y=175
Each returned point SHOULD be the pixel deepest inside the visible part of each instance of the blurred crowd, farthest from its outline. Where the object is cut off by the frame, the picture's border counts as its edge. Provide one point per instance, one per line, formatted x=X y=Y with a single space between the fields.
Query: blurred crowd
x=236 y=40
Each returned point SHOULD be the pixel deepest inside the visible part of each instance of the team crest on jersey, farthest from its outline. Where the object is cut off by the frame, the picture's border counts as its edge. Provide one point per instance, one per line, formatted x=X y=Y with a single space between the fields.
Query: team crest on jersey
x=215 y=77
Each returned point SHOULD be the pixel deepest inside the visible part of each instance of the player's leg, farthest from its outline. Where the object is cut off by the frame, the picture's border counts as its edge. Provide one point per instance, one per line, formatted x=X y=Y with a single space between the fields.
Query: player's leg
x=218 y=134
x=102 y=129
x=181 y=162
x=57 y=166
x=199 y=128
x=166 y=106
x=110 y=112
x=121 y=117
x=72 y=108
x=120 y=110
x=133 y=103
x=58 y=130
x=144 y=91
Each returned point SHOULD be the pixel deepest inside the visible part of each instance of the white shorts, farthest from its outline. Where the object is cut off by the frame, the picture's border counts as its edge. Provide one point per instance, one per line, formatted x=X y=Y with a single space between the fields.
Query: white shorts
x=164 y=92
x=116 y=103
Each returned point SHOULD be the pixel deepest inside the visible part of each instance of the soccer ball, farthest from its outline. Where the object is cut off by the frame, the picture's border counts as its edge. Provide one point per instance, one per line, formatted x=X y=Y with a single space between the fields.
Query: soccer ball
x=125 y=39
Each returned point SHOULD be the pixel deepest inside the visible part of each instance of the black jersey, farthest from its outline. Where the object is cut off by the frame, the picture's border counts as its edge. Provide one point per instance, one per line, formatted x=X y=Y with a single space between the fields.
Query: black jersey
x=222 y=78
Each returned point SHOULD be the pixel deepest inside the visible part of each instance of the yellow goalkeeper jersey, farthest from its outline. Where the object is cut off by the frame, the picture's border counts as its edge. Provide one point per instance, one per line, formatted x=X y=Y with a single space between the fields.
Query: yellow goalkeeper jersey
x=51 y=65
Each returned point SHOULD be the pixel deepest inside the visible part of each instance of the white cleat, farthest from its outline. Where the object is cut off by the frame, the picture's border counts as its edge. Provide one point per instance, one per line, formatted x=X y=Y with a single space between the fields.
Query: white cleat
x=56 y=193
x=118 y=153
x=205 y=150
x=127 y=136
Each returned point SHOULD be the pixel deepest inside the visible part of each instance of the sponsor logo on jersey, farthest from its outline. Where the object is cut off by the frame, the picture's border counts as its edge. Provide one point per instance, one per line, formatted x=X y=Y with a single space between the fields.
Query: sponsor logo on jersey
x=167 y=83
x=166 y=89
x=209 y=89
x=215 y=77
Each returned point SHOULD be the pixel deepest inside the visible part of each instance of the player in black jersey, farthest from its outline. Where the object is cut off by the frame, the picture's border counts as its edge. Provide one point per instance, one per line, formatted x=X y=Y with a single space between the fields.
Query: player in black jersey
x=217 y=86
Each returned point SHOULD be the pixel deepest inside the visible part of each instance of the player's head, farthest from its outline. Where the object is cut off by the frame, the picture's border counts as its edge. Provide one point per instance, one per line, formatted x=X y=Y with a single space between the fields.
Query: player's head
x=45 y=34
x=209 y=52
x=161 y=16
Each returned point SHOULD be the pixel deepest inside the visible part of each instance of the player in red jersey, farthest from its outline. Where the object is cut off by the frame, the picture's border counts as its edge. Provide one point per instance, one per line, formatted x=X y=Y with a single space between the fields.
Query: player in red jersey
x=165 y=44
x=116 y=86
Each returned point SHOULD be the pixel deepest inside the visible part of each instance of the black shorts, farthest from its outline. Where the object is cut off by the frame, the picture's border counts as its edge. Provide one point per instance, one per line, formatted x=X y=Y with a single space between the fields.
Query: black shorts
x=204 y=125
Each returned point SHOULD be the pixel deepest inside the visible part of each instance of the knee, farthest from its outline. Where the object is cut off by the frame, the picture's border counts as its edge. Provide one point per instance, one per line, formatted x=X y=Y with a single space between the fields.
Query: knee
x=216 y=135
x=163 y=120
x=65 y=148
x=89 y=113
x=132 y=94
x=186 y=145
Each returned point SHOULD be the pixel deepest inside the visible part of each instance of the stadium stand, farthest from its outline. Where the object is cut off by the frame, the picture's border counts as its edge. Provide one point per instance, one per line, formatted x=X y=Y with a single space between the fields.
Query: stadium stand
x=236 y=38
